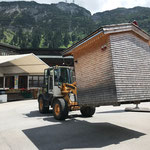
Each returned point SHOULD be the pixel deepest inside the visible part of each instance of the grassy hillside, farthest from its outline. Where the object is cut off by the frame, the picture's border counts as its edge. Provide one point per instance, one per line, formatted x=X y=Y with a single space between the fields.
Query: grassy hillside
x=33 y=25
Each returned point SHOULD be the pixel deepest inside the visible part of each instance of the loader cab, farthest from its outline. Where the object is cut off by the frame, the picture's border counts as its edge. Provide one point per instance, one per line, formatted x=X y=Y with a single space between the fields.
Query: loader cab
x=54 y=77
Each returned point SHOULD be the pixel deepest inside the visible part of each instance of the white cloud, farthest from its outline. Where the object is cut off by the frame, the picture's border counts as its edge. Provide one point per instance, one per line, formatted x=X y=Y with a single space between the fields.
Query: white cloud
x=101 y=5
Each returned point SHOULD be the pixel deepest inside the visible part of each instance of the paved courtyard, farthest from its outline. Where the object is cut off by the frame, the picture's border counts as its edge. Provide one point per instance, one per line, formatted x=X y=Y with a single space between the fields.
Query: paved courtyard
x=22 y=127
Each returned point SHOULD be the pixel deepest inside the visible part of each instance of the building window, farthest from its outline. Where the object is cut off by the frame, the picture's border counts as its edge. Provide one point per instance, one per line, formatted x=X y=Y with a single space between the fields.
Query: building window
x=4 y=54
x=1 y=82
x=9 y=82
x=36 y=81
x=22 y=82
x=41 y=81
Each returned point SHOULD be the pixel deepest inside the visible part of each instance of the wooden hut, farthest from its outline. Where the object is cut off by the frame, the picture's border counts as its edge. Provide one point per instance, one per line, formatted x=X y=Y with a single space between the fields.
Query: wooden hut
x=112 y=66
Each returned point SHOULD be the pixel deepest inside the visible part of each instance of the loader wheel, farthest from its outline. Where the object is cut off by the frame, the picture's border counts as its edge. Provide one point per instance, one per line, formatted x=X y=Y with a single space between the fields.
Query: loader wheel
x=60 y=109
x=42 y=108
x=87 y=111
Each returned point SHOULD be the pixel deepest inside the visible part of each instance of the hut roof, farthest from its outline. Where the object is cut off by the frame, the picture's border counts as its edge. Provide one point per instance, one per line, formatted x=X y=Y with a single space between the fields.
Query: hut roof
x=109 y=29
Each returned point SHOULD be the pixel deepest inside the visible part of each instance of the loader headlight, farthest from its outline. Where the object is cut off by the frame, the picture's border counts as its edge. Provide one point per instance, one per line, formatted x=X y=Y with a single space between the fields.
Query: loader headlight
x=72 y=97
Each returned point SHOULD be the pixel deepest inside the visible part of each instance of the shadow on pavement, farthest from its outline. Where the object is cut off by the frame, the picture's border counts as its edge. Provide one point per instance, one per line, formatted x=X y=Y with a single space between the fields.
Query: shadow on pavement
x=70 y=118
x=38 y=114
x=112 y=111
x=49 y=116
x=73 y=133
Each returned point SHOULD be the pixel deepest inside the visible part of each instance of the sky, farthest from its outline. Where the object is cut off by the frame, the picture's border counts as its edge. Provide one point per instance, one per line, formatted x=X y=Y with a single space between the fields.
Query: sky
x=99 y=5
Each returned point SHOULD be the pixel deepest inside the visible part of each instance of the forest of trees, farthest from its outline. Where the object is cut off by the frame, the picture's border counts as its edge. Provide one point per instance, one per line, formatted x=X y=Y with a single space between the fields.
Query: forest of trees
x=33 y=25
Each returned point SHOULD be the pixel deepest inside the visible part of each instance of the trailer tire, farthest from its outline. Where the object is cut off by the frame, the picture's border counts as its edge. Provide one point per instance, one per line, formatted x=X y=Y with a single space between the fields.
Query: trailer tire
x=87 y=111
x=42 y=108
x=60 y=109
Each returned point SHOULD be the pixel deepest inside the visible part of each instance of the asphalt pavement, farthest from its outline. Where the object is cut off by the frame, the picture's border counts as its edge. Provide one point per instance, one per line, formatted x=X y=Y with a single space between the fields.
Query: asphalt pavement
x=22 y=127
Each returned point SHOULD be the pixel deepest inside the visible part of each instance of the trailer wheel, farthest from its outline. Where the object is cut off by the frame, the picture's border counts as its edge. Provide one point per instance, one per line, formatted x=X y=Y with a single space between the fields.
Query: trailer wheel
x=87 y=111
x=42 y=108
x=60 y=109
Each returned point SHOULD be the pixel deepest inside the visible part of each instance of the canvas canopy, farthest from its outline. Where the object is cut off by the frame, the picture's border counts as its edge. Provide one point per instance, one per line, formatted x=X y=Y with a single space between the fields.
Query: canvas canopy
x=22 y=64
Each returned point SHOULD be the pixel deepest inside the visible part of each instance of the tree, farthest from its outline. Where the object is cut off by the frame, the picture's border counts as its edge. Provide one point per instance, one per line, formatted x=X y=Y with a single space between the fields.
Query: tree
x=73 y=37
x=66 y=39
x=1 y=33
x=14 y=40
x=36 y=38
x=57 y=39
x=48 y=39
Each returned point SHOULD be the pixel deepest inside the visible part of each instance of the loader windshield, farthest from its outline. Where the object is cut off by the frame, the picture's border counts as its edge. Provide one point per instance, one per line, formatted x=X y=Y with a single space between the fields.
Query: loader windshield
x=62 y=75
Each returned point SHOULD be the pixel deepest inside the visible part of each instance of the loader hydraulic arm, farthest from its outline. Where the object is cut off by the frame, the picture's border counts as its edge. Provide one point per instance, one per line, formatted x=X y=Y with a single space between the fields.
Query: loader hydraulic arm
x=68 y=89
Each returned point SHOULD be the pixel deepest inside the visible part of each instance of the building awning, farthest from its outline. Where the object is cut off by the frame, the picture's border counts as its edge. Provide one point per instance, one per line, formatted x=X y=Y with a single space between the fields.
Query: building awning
x=22 y=64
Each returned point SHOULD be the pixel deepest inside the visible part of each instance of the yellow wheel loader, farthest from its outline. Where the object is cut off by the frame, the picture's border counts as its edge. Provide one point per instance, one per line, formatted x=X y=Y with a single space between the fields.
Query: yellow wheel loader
x=60 y=93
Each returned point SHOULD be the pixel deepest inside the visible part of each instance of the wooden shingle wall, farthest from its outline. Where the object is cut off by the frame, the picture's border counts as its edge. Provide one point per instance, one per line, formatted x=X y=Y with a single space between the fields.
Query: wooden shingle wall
x=94 y=73
x=131 y=63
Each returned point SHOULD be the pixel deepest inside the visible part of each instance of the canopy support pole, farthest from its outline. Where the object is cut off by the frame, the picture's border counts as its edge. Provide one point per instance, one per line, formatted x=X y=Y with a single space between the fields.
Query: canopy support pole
x=4 y=82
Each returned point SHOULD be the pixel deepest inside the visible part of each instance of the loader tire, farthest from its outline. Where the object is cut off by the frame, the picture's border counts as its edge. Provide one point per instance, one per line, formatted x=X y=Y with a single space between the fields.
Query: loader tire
x=60 y=109
x=87 y=111
x=42 y=108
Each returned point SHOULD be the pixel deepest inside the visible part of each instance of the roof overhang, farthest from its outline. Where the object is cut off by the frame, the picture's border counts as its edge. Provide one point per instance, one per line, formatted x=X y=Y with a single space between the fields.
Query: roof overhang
x=117 y=28
x=22 y=64
x=54 y=57
x=110 y=29
x=10 y=47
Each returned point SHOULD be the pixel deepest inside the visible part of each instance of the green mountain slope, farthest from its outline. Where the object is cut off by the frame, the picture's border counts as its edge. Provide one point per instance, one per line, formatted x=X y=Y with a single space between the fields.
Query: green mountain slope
x=29 y=24
x=33 y=25
x=123 y=15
